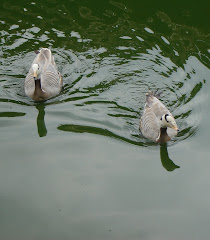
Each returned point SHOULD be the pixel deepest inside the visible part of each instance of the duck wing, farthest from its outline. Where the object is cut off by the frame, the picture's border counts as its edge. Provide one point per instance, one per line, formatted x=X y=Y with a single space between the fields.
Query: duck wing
x=149 y=124
x=48 y=55
x=29 y=85
x=51 y=80
x=156 y=105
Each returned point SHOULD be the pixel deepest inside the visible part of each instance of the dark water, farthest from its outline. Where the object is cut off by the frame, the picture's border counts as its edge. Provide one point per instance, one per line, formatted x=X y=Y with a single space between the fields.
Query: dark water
x=76 y=166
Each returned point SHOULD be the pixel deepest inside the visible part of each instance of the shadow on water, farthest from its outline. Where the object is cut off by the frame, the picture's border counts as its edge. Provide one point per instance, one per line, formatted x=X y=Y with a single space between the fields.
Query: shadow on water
x=41 y=127
x=167 y=163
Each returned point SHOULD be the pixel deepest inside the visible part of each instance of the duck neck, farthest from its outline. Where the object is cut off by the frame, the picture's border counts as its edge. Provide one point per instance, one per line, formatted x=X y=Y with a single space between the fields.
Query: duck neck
x=38 y=87
x=39 y=94
x=37 y=84
x=163 y=130
x=163 y=137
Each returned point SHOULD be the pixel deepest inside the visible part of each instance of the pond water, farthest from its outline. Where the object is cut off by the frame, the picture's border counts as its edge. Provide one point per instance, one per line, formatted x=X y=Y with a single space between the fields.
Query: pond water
x=76 y=166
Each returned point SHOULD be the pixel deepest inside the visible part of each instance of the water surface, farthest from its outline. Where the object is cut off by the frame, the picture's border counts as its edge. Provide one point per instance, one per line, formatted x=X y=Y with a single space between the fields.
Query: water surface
x=76 y=166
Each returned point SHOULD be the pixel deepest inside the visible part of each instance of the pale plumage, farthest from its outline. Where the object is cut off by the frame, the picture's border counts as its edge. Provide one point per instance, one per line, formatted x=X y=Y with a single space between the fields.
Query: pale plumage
x=157 y=123
x=43 y=80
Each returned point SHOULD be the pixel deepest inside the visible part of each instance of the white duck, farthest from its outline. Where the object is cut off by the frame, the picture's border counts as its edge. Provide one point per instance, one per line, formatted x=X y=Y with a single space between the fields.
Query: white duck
x=43 y=80
x=157 y=123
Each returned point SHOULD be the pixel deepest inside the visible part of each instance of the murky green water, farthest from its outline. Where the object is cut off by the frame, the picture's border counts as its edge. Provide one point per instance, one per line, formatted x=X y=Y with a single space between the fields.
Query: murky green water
x=76 y=166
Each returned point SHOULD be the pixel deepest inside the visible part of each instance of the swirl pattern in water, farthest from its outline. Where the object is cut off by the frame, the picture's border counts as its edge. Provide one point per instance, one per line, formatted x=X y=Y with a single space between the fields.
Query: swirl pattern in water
x=109 y=61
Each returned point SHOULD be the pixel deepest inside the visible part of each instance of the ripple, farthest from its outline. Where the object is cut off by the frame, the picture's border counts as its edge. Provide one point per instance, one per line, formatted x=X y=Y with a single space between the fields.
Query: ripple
x=108 y=63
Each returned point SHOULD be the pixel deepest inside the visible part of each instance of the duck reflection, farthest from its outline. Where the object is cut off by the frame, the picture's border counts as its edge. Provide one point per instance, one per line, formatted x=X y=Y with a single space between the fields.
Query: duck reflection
x=41 y=127
x=167 y=163
x=12 y=114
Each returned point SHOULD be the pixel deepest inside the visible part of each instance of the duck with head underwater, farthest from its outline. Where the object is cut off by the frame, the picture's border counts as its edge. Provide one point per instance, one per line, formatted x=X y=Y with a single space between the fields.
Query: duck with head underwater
x=157 y=123
x=43 y=80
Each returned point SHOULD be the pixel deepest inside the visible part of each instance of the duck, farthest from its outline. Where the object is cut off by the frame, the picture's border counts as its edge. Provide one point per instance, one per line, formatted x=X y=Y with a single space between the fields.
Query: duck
x=43 y=80
x=157 y=123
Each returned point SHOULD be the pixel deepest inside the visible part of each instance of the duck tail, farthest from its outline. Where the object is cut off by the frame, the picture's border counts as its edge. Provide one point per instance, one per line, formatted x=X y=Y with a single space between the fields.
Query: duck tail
x=149 y=96
x=47 y=53
x=157 y=94
x=154 y=94
x=37 y=51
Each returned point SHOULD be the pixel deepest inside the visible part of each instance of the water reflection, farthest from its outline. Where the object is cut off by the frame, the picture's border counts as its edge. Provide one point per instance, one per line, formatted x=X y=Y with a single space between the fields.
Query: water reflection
x=110 y=54
x=107 y=56
x=41 y=127
x=167 y=163
x=11 y=114
x=108 y=60
x=95 y=130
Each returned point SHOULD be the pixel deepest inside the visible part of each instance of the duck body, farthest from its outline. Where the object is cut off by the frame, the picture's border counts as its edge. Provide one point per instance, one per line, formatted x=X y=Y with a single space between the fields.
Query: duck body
x=157 y=123
x=43 y=80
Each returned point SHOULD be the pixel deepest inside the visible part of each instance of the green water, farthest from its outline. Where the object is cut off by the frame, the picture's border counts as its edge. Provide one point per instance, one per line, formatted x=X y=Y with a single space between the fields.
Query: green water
x=76 y=166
